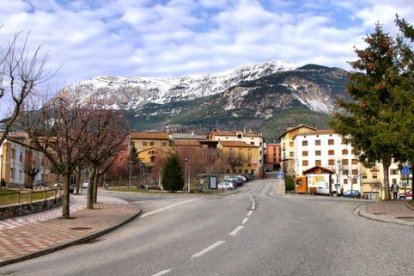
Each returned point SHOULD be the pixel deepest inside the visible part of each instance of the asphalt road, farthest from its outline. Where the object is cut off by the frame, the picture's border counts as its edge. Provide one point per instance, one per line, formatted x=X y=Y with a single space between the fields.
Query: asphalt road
x=246 y=233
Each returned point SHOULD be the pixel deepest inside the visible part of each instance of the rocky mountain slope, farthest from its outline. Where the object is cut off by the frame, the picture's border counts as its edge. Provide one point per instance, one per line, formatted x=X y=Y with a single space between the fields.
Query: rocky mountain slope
x=267 y=97
x=133 y=93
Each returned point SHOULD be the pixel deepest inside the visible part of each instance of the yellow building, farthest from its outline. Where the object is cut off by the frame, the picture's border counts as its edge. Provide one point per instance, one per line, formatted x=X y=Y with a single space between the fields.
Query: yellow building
x=151 y=146
x=17 y=157
x=249 y=154
x=288 y=147
x=247 y=137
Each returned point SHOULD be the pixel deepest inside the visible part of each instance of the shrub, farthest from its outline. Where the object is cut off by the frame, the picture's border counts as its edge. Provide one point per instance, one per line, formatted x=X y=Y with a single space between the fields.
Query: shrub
x=289 y=183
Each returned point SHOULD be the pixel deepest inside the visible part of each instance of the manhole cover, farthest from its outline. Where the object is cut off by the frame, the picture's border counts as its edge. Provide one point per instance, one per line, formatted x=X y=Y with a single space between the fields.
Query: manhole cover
x=408 y=219
x=80 y=228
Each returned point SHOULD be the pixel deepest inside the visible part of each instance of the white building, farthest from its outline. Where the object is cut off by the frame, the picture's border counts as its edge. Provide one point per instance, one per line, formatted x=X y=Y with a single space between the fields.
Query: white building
x=327 y=149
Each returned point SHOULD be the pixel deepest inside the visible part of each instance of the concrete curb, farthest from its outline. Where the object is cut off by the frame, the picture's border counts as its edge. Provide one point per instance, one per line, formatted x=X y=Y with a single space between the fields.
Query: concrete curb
x=70 y=243
x=362 y=212
x=409 y=206
x=327 y=198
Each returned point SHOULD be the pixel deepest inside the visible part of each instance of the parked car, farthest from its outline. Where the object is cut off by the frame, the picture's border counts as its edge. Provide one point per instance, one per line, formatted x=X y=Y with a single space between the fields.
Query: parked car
x=85 y=185
x=409 y=195
x=226 y=185
x=352 y=193
x=238 y=182
x=241 y=177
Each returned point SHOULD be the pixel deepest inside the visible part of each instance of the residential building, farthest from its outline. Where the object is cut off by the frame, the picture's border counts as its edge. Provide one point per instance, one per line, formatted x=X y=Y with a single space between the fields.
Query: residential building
x=288 y=149
x=272 y=156
x=247 y=137
x=151 y=146
x=17 y=157
x=327 y=149
x=250 y=154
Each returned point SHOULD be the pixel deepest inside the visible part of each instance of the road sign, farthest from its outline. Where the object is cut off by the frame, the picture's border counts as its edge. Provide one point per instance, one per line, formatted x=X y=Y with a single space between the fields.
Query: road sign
x=405 y=171
x=280 y=175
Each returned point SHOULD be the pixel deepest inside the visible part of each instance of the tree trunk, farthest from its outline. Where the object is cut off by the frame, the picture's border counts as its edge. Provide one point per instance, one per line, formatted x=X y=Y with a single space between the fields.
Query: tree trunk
x=386 y=185
x=66 y=197
x=95 y=187
x=92 y=173
x=78 y=178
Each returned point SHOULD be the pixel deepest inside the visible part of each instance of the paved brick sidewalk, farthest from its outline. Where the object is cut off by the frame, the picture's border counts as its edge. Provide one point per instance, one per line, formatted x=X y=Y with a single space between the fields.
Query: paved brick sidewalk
x=41 y=237
x=396 y=211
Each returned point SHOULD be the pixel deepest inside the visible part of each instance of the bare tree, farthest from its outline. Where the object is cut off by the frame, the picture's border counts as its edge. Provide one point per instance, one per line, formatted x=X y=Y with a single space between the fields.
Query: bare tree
x=32 y=166
x=105 y=134
x=57 y=129
x=21 y=71
x=233 y=159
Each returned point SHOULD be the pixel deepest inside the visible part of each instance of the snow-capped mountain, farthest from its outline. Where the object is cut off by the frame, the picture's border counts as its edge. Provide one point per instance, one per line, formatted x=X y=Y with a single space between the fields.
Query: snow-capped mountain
x=133 y=93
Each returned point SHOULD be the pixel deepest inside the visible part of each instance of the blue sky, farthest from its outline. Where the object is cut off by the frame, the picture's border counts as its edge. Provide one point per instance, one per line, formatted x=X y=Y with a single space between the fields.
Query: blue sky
x=183 y=37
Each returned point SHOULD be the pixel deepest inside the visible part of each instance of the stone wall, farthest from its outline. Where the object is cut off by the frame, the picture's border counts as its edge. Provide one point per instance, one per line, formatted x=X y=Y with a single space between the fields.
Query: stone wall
x=29 y=208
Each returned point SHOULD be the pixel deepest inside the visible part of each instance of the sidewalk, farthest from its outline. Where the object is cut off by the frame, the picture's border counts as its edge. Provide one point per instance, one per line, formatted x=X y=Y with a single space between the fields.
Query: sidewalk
x=38 y=234
x=397 y=211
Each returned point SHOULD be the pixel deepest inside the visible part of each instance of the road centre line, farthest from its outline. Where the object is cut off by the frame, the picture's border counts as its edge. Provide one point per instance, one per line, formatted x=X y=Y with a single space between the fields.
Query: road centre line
x=207 y=249
x=245 y=220
x=235 y=231
x=249 y=213
x=167 y=207
x=163 y=272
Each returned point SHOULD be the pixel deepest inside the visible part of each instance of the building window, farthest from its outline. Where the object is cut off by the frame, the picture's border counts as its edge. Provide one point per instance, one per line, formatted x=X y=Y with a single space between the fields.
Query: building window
x=345 y=172
x=260 y=144
x=345 y=181
x=355 y=172
x=344 y=151
x=251 y=171
x=354 y=181
x=374 y=175
x=305 y=153
x=317 y=152
x=291 y=154
x=21 y=157
x=354 y=161
x=304 y=143
x=305 y=163
x=317 y=142
x=13 y=153
x=317 y=162
x=331 y=162
x=152 y=159
x=393 y=172
x=251 y=143
x=291 y=143
x=144 y=143
x=164 y=144
x=364 y=176
x=344 y=161
x=151 y=143
x=331 y=152
x=11 y=172
x=330 y=141
x=239 y=136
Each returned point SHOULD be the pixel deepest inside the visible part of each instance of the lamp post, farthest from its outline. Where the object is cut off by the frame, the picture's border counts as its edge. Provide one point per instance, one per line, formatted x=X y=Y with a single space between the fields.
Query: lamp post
x=185 y=174
x=130 y=174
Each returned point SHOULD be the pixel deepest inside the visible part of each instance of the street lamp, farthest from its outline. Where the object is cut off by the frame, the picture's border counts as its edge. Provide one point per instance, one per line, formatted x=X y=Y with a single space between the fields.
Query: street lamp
x=187 y=174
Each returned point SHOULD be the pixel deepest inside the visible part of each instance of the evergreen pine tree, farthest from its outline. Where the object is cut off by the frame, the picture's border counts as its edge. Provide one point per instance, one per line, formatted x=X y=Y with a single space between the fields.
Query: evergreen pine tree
x=371 y=119
x=172 y=178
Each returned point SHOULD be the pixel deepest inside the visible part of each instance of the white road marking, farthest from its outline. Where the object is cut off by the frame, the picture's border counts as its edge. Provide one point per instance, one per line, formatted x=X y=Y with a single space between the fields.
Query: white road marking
x=207 y=249
x=245 y=220
x=167 y=207
x=249 y=213
x=165 y=271
x=235 y=231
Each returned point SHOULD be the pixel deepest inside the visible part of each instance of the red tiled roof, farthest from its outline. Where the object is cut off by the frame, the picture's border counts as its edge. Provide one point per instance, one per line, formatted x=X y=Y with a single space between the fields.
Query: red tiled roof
x=150 y=135
x=236 y=144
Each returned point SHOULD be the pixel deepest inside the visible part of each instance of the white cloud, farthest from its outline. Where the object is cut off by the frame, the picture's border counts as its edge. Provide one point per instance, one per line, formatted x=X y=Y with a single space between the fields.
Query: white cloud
x=128 y=37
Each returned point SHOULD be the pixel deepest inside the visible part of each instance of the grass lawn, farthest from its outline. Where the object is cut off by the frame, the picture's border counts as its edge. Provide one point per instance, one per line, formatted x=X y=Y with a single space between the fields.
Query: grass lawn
x=9 y=196
x=136 y=190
